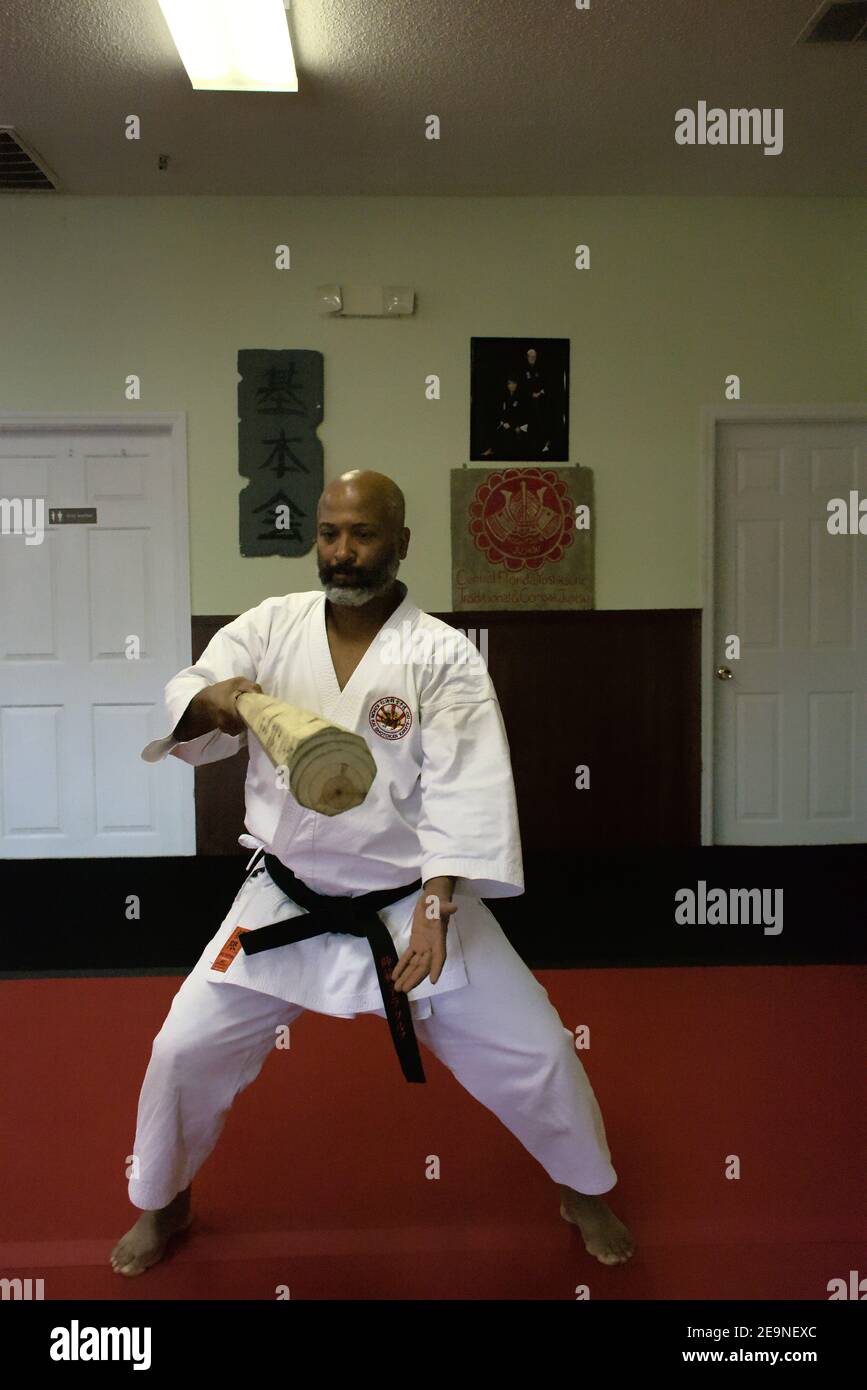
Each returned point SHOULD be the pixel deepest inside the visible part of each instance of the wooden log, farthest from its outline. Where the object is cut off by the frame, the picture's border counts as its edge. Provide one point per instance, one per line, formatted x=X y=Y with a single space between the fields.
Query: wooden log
x=329 y=769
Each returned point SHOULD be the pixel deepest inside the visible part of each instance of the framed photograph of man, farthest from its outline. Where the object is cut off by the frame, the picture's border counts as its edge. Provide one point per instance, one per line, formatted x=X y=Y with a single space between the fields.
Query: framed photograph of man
x=519 y=399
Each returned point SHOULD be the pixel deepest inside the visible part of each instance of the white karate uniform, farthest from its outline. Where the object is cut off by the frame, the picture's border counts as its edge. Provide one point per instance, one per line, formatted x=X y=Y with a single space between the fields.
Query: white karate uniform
x=442 y=803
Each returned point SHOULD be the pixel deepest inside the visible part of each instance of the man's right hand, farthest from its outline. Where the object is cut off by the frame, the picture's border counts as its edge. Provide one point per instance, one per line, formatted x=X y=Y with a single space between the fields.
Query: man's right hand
x=214 y=708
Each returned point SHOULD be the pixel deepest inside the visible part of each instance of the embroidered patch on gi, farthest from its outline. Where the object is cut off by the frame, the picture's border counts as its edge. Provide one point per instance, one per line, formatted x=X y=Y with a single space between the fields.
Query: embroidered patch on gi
x=229 y=951
x=390 y=717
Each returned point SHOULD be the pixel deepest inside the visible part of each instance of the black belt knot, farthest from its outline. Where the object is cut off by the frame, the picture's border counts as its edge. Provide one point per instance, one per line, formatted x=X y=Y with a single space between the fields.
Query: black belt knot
x=344 y=916
x=357 y=916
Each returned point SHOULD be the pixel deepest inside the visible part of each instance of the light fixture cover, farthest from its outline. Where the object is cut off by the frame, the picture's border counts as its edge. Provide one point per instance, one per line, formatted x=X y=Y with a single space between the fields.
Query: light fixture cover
x=329 y=299
x=366 y=301
x=233 y=45
x=398 y=299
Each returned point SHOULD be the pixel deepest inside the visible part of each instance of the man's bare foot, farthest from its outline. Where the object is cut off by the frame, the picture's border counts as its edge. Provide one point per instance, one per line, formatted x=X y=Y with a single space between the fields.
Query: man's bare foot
x=604 y=1235
x=145 y=1243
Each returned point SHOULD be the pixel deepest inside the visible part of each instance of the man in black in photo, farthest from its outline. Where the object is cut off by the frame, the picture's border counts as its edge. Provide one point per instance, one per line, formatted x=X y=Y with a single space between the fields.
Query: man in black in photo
x=537 y=406
x=512 y=427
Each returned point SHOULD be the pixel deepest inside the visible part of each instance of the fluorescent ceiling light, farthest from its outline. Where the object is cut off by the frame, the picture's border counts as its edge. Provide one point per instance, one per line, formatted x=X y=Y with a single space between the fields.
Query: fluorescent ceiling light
x=233 y=45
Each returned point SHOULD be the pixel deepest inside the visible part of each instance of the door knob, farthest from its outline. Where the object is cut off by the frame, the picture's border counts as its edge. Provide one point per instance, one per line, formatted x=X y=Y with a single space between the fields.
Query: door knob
x=723 y=673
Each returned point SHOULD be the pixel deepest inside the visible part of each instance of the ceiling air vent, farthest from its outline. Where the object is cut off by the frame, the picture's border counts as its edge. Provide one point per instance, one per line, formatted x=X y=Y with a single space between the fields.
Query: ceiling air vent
x=21 y=170
x=840 y=21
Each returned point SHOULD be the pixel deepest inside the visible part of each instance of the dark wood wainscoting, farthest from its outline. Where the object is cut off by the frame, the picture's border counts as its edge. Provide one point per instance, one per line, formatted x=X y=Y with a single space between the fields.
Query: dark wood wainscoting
x=617 y=691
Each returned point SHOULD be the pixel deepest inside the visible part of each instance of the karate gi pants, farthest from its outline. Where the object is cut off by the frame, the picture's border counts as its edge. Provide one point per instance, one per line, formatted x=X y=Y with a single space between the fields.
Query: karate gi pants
x=499 y=1035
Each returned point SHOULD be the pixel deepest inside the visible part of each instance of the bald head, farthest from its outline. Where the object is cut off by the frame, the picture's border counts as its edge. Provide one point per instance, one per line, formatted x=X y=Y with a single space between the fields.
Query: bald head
x=361 y=537
x=364 y=490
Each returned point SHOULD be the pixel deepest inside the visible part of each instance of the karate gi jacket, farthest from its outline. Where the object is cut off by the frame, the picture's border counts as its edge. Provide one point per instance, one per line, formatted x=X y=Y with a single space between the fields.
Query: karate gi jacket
x=442 y=801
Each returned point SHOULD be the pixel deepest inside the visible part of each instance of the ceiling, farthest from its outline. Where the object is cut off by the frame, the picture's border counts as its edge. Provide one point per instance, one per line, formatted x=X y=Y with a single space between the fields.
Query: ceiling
x=533 y=96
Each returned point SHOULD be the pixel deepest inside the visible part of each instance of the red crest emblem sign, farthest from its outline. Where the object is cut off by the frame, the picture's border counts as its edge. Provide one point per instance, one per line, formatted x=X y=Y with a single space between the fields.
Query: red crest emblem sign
x=522 y=518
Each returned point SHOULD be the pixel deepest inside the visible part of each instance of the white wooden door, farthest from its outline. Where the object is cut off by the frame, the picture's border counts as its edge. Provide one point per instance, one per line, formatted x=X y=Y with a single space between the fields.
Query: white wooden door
x=790 y=722
x=93 y=622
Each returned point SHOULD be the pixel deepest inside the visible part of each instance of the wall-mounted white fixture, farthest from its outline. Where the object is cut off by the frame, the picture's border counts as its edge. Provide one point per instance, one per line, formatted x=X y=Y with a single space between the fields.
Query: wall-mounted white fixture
x=377 y=302
x=329 y=300
x=233 y=45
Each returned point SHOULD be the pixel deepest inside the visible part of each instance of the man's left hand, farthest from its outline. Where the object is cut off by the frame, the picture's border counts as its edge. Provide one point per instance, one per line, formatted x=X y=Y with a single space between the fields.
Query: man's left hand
x=426 y=953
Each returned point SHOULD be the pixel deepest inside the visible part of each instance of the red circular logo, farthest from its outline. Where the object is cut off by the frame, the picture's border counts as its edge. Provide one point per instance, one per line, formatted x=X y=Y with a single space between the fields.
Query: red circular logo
x=390 y=717
x=522 y=518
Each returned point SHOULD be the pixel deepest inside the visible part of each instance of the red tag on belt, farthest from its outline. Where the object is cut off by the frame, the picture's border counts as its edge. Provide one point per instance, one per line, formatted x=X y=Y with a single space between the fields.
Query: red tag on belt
x=229 y=951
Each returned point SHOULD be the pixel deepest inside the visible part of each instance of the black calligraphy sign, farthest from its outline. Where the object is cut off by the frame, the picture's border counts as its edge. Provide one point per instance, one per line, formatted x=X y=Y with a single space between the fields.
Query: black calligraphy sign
x=280 y=399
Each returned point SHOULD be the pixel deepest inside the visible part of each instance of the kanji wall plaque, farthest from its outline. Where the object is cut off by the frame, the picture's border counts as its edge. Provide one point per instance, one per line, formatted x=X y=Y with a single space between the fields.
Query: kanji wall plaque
x=279 y=407
x=522 y=538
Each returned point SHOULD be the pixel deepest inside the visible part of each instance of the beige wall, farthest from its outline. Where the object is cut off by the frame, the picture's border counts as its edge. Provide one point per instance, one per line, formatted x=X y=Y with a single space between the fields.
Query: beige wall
x=682 y=291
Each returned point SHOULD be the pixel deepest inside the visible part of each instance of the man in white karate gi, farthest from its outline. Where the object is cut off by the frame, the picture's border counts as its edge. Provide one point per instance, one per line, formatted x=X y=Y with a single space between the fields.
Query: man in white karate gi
x=440 y=817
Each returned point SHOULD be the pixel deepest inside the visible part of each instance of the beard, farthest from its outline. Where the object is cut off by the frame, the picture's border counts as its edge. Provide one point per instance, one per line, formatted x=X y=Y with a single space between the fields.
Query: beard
x=362 y=584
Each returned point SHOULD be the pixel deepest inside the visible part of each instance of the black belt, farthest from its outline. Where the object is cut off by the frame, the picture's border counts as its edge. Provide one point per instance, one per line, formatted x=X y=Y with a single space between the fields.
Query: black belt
x=354 y=917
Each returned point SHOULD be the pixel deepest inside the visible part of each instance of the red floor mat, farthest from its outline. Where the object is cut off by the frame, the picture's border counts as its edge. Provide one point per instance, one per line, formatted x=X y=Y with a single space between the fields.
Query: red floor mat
x=318 y=1181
